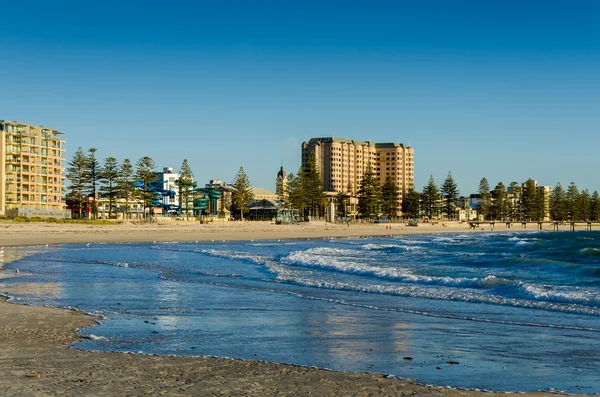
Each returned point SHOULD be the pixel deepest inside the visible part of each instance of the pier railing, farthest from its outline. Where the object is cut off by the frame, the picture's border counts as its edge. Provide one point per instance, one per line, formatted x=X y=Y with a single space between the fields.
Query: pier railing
x=573 y=226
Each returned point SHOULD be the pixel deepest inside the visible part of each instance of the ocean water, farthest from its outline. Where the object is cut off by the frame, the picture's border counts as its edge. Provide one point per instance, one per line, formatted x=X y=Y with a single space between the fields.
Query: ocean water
x=498 y=311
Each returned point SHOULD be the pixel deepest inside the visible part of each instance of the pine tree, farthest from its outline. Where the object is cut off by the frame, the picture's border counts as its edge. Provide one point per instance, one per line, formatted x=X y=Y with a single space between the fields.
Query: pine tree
x=583 y=202
x=573 y=209
x=516 y=208
x=595 y=207
x=93 y=174
x=431 y=199
x=558 y=204
x=294 y=196
x=144 y=172
x=76 y=174
x=540 y=204
x=185 y=184
x=500 y=206
x=311 y=186
x=486 y=198
x=450 y=193
x=108 y=177
x=125 y=184
x=530 y=201
x=389 y=198
x=242 y=196
x=369 y=195
x=411 y=203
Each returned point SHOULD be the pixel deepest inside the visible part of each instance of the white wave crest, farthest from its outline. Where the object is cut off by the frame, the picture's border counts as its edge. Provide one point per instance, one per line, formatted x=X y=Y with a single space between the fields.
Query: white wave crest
x=560 y=294
x=323 y=258
x=258 y=259
x=95 y=337
x=440 y=293
x=375 y=247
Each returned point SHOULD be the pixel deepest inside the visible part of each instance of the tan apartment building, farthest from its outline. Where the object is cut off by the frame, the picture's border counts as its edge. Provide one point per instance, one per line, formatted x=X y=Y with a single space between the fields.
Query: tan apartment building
x=31 y=173
x=547 y=194
x=342 y=163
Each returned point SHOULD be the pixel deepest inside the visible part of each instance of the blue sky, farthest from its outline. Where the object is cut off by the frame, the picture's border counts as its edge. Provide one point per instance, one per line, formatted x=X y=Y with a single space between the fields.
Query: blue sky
x=507 y=90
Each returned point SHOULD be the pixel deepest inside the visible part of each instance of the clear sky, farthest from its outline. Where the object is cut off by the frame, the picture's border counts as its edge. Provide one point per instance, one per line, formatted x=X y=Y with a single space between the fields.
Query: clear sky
x=507 y=90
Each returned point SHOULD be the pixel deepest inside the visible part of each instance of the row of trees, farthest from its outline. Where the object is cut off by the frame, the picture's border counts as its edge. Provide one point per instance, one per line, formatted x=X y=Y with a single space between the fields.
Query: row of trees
x=113 y=180
x=134 y=182
x=517 y=202
x=375 y=199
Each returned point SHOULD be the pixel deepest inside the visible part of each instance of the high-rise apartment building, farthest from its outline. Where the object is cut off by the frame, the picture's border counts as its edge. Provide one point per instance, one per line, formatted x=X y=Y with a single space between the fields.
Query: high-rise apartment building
x=342 y=163
x=31 y=174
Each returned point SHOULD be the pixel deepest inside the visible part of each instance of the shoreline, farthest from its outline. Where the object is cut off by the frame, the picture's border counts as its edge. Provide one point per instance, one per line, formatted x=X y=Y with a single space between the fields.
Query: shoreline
x=34 y=234
x=38 y=359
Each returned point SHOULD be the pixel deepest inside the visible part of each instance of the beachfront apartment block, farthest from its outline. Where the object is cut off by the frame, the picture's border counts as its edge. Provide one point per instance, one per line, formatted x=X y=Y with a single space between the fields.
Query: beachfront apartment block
x=31 y=173
x=343 y=162
x=546 y=194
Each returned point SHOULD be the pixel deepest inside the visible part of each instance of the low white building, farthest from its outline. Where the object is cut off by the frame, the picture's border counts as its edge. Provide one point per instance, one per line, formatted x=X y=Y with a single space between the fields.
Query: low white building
x=467 y=215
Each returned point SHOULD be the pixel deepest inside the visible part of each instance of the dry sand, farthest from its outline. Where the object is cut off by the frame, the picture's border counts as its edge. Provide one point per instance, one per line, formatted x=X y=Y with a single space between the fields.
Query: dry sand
x=19 y=234
x=36 y=360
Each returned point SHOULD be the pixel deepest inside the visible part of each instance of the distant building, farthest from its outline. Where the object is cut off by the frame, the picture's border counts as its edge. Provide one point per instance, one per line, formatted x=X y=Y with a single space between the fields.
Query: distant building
x=122 y=209
x=31 y=161
x=281 y=183
x=467 y=214
x=168 y=189
x=547 y=192
x=343 y=162
x=260 y=193
x=222 y=205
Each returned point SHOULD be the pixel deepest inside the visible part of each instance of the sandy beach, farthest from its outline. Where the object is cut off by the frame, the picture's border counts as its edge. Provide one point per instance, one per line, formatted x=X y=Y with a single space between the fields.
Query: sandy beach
x=36 y=359
x=20 y=234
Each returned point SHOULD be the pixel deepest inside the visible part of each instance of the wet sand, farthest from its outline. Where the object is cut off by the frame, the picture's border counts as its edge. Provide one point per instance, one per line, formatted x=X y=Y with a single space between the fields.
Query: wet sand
x=36 y=359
